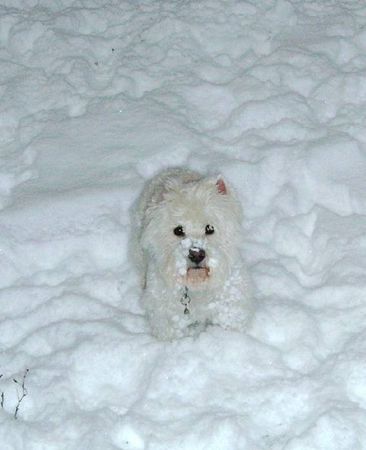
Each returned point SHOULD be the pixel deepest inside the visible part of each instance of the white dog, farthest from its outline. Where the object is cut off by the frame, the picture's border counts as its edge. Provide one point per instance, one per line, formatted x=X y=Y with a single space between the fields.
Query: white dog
x=189 y=228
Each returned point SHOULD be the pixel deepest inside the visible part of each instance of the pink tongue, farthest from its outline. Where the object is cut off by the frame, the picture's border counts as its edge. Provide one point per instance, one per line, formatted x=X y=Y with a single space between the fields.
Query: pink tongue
x=197 y=275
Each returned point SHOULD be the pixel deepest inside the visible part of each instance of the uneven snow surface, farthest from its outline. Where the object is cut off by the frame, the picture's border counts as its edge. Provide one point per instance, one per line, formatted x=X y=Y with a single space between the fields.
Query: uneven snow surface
x=96 y=96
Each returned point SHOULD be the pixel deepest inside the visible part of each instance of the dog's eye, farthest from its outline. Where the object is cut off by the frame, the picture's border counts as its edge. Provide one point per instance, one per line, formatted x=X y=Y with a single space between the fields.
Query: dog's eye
x=209 y=229
x=178 y=231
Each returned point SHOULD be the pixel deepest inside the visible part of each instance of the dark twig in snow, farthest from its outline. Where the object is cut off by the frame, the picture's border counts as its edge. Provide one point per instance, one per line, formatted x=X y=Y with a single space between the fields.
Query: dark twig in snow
x=2 y=397
x=24 y=392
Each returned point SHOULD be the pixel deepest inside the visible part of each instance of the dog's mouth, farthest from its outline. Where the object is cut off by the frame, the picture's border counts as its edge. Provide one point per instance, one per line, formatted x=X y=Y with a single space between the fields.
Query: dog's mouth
x=197 y=274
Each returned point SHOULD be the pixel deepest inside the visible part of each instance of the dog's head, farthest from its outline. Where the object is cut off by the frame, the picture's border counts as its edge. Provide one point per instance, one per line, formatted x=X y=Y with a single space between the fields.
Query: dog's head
x=192 y=233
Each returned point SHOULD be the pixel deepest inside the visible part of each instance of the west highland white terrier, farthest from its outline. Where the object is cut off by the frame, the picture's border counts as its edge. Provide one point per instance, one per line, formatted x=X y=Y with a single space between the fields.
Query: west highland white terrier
x=188 y=235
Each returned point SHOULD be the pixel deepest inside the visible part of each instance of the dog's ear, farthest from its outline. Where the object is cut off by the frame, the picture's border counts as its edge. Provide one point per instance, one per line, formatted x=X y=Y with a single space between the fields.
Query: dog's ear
x=221 y=186
x=162 y=190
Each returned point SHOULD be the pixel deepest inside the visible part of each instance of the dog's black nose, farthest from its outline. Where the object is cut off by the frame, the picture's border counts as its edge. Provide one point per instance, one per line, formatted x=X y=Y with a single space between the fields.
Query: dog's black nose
x=196 y=255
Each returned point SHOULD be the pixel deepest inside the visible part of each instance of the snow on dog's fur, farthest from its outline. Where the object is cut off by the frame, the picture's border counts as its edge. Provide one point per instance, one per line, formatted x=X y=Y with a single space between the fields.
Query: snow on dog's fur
x=188 y=234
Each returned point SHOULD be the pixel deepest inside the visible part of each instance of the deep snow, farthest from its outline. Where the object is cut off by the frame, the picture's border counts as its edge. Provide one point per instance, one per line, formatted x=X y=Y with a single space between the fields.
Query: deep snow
x=97 y=96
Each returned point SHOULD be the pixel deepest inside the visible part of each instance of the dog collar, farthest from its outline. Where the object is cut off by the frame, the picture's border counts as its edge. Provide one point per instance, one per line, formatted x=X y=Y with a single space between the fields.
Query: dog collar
x=185 y=300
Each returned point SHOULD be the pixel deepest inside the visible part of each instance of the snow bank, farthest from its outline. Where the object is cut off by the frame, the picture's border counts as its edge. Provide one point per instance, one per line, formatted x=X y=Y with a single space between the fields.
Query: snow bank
x=98 y=97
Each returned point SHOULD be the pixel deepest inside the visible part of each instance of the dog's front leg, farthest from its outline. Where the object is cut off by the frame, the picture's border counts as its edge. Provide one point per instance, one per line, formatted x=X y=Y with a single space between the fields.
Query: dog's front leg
x=165 y=315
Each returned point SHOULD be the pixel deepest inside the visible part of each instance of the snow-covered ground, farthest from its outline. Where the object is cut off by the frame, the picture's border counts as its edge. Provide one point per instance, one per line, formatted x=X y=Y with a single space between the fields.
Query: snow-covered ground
x=96 y=96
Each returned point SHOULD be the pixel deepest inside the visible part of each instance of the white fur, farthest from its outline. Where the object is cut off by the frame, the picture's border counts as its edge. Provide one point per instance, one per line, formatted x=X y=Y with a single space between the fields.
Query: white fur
x=181 y=197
